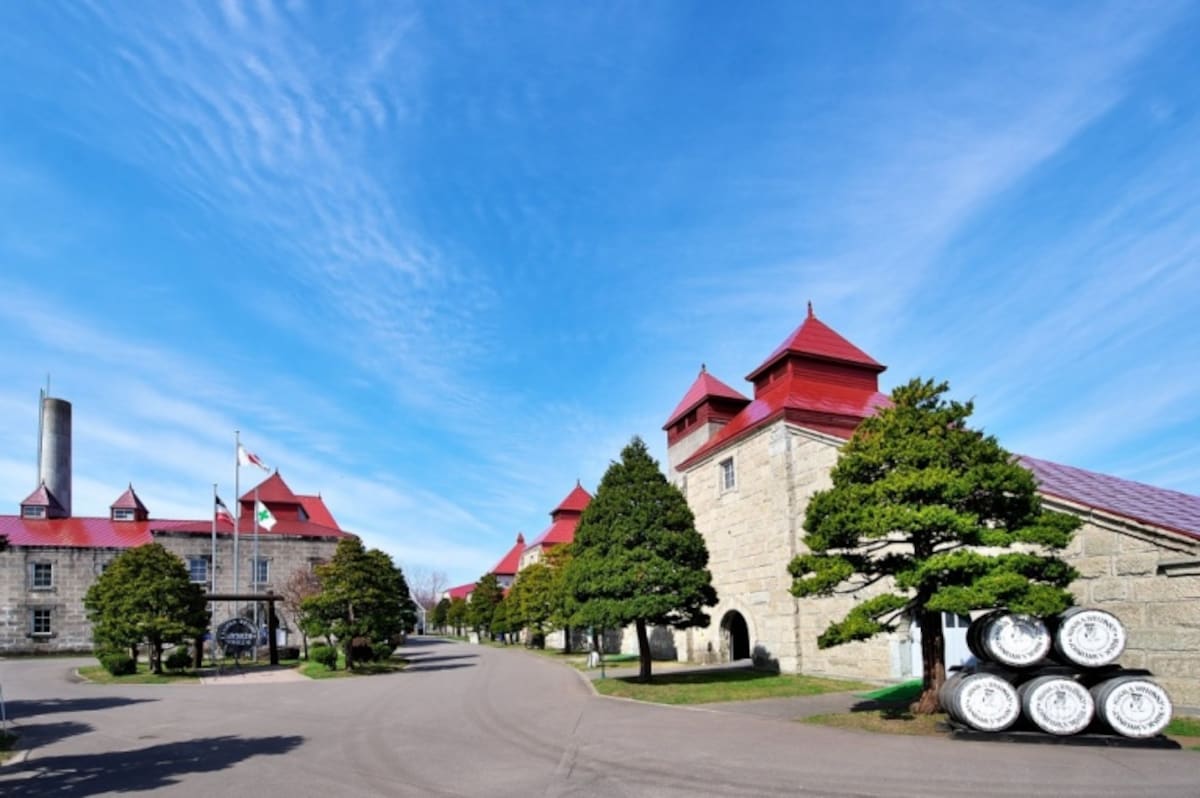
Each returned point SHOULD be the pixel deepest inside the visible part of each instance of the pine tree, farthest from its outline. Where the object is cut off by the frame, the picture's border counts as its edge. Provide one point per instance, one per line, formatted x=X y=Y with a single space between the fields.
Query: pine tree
x=921 y=503
x=637 y=555
x=145 y=596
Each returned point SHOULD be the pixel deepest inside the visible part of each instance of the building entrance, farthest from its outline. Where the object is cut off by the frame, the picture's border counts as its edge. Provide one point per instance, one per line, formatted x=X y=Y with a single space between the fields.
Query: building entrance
x=735 y=636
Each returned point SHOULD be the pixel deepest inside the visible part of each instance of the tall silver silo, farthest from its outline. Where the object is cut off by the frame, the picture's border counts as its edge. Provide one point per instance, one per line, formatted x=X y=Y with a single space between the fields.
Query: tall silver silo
x=54 y=450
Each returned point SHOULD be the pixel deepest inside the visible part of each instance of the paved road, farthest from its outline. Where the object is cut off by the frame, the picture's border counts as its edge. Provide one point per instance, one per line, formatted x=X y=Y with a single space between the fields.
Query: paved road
x=475 y=721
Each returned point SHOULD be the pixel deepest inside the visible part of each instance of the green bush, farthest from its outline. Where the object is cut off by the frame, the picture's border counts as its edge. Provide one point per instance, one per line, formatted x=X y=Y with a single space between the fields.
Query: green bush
x=325 y=655
x=179 y=659
x=118 y=663
x=383 y=651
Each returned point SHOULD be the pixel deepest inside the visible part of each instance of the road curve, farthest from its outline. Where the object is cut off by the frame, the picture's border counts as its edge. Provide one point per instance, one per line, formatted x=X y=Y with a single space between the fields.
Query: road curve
x=477 y=721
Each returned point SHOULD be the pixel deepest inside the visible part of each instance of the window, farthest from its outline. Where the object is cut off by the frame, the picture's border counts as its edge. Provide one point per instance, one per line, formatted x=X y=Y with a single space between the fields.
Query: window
x=198 y=570
x=262 y=570
x=39 y=622
x=41 y=576
x=33 y=511
x=728 y=475
x=122 y=514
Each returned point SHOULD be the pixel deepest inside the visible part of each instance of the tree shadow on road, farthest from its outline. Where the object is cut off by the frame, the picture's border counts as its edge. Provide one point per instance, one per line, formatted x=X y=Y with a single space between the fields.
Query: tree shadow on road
x=28 y=708
x=31 y=735
x=143 y=769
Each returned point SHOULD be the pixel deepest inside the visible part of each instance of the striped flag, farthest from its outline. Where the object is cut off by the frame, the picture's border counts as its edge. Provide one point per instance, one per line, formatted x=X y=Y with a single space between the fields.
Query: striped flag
x=222 y=511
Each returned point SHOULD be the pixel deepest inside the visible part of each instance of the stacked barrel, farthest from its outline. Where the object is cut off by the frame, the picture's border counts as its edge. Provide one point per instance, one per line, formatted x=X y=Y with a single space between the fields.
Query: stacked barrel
x=1062 y=677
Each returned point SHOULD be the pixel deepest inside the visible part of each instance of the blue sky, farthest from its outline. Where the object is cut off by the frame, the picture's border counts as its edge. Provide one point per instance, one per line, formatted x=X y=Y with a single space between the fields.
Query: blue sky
x=438 y=261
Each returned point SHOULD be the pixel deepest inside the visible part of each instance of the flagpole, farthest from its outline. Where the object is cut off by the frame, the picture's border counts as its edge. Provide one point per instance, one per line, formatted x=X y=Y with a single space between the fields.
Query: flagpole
x=254 y=574
x=212 y=604
x=237 y=499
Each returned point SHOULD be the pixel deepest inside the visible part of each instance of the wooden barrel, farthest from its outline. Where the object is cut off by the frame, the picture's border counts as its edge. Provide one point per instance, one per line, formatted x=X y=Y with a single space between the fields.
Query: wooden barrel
x=1009 y=638
x=1132 y=706
x=983 y=701
x=1057 y=704
x=1089 y=638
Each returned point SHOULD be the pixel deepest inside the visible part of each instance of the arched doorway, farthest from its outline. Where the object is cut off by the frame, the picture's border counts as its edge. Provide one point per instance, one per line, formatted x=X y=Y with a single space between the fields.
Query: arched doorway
x=735 y=636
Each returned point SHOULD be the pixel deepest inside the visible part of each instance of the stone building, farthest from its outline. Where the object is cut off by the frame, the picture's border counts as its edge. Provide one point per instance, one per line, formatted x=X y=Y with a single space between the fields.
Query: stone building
x=52 y=556
x=748 y=467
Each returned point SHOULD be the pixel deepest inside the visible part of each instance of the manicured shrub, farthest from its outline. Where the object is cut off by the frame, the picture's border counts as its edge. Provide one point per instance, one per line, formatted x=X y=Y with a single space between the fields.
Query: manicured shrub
x=325 y=655
x=179 y=659
x=118 y=663
x=383 y=651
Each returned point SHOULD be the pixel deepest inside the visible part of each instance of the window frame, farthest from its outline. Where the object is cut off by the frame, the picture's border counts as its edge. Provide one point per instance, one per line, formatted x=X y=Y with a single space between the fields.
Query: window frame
x=34 y=569
x=205 y=560
x=727 y=475
x=124 y=514
x=47 y=613
x=265 y=564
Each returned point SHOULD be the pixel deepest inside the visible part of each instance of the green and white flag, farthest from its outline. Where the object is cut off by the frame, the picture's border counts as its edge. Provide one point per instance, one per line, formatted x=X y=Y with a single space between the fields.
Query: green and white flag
x=263 y=517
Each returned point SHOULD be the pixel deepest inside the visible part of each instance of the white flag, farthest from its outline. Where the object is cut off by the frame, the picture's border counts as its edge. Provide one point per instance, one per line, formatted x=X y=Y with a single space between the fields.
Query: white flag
x=246 y=457
x=263 y=517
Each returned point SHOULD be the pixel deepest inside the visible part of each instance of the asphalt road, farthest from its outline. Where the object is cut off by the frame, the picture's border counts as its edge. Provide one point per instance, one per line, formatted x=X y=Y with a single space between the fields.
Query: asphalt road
x=476 y=721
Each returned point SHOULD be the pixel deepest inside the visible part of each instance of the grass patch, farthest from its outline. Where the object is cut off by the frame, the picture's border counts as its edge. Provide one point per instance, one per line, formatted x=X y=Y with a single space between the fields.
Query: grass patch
x=894 y=720
x=97 y=674
x=7 y=743
x=895 y=693
x=1185 y=731
x=713 y=686
x=315 y=670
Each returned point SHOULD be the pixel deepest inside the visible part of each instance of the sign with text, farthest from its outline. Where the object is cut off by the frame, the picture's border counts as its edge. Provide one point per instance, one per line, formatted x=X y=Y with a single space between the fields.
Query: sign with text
x=236 y=635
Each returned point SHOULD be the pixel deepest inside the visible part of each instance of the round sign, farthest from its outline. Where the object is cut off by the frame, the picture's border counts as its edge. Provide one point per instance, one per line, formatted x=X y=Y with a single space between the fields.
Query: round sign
x=236 y=635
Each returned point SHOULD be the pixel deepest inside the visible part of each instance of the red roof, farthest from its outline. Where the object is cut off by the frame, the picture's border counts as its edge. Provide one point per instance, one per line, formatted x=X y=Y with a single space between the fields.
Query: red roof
x=815 y=339
x=272 y=490
x=461 y=591
x=1168 y=509
x=284 y=527
x=128 y=501
x=705 y=387
x=510 y=563
x=79 y=533
x=42 y=497
x=575 y=502
x=317 y=512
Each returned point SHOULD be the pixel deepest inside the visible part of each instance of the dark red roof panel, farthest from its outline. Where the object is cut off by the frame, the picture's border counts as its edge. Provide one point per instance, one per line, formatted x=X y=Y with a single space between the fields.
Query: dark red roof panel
x=705 y=387
x=285 y=527
x=575 y=502
x=42 y=497
x=814 y=338
x=1136 y=501
x=318 y=512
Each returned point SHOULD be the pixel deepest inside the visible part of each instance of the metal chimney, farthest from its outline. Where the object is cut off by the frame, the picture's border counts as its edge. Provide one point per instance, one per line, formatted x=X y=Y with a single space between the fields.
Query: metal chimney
x=54 y=450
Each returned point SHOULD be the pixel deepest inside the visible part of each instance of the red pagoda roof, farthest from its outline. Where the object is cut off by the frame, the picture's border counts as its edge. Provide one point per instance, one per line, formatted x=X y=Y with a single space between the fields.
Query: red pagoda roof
x=511 y=562
x=815 y=339
x=575 y=502
x=1168 y=509
x=705 y=387
x=42 y=497
x=128 y=501
x=272 y=490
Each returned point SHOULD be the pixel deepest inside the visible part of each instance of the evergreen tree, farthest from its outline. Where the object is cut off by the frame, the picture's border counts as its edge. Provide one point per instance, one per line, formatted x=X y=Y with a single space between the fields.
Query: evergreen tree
x=441 y=614
x=363 y=595
x=532 y=600
x=920 y=503
x=637 y=557
x=457 y=614
x=145 y=596
x=484 y=599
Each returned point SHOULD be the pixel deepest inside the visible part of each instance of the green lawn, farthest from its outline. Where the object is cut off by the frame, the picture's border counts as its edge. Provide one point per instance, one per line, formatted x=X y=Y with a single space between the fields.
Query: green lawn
x=97 y=674
x=315 y=670
x=712 y=686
